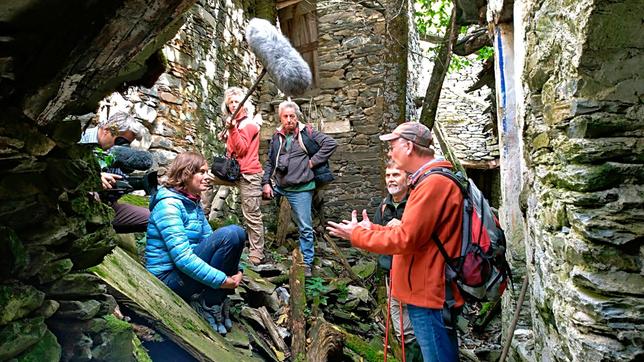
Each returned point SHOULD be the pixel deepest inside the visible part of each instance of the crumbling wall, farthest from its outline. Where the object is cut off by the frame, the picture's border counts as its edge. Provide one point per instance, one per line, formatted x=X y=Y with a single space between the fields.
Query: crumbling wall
x=207 y=55
x=362 y=89
x=51 y=228
x=583 y=193
x=363 y=55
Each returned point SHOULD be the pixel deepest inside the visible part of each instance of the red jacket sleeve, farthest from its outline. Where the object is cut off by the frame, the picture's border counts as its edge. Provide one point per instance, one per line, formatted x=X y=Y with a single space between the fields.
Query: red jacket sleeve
x=240 y=139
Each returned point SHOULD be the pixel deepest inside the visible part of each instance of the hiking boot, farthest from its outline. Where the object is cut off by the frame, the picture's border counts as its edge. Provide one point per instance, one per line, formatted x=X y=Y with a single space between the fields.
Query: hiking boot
x=212 y=315
x=307 y=271
x=225 y=310
x=216 y=310
x=254 y=261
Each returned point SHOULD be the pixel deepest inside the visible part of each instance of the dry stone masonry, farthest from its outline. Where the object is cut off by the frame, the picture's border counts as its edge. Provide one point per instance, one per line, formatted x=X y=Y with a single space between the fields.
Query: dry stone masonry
x=580 y=67
x=466 y=120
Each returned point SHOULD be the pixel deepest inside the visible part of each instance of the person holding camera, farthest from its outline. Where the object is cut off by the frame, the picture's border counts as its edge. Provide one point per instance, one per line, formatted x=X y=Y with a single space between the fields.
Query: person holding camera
x=242 y=142
x=119 y=128
x=290 y=166
x=182 y=249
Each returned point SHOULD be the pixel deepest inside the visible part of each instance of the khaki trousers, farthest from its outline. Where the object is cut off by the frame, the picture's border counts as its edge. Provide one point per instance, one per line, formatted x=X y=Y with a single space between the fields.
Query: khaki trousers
x=395 y=317
x=250 y=190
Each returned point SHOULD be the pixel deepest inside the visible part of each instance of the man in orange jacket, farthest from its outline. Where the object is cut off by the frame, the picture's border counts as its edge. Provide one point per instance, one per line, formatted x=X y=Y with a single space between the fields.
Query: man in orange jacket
x=434 y=207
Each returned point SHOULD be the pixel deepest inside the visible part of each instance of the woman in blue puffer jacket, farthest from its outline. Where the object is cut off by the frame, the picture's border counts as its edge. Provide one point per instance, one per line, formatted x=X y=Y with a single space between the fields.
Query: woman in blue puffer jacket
x=183 y=251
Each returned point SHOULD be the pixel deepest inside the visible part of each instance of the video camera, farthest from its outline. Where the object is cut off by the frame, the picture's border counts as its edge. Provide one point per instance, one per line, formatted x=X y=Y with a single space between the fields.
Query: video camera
x=147 y=182
x=124 y=161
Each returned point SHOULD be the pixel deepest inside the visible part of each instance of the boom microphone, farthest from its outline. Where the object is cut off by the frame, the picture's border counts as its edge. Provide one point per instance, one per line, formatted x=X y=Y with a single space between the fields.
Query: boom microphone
x=129 y=159
x=285 y=65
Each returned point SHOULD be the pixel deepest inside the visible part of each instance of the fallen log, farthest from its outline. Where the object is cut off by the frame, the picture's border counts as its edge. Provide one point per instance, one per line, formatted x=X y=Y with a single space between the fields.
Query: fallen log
x=161 y=309
x=271 y=328
x=283 y=221
x=297 y=304
x=326 y=342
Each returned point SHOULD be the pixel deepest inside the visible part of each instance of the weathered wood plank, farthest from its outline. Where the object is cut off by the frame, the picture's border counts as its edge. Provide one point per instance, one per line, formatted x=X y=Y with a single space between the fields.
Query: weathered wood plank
x=297 y=303
x=150 y=299
x=271 y=328
x=283 y=220
x=326 y=342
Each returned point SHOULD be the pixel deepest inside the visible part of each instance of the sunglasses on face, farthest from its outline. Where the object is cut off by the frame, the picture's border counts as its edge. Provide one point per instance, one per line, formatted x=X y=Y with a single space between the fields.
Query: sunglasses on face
x=122 y=141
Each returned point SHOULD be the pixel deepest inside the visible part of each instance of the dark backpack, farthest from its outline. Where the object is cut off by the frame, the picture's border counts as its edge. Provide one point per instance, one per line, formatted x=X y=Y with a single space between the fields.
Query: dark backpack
x=481 y=271
x=322 y=172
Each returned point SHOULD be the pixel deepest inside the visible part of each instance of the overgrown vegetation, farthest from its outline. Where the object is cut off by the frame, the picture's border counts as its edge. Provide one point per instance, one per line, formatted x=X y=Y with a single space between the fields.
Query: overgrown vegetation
x=432 y=19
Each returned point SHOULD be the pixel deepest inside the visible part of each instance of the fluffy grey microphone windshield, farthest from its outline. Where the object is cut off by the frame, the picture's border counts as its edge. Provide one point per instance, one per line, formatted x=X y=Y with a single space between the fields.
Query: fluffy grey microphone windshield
x=285 y=65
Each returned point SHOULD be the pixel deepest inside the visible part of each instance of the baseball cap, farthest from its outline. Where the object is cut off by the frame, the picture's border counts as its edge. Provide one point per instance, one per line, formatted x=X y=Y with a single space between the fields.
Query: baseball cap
x=411 y=131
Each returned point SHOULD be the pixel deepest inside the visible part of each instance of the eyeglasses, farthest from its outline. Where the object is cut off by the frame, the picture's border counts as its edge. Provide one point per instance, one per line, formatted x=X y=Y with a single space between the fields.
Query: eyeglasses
x=122 y=141
x=397 y=142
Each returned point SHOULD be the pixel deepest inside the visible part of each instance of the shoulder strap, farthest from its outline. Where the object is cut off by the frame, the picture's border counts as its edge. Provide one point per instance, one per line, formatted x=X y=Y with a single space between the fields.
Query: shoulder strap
x=463 y=185
x=456 y=178
x=306 y=139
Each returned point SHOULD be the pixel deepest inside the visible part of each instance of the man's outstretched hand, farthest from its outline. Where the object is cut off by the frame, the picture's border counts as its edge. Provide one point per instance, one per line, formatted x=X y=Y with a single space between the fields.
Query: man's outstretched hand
x=343 y=230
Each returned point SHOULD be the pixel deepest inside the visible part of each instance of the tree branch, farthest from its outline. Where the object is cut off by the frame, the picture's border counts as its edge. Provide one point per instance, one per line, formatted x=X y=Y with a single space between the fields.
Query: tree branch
x=472 y=42
x=441 y=65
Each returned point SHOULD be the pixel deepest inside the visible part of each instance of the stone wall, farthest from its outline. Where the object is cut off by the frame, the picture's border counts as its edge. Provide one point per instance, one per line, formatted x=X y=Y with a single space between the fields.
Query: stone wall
x=207 y=55
x=51 y=228
x=363 y=90
x=466 y=119
x=583 y=124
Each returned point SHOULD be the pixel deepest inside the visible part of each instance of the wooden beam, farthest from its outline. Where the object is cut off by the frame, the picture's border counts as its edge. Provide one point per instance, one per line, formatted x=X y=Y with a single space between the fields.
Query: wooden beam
x=297 y=303
x=286 y=3
x=326 y=342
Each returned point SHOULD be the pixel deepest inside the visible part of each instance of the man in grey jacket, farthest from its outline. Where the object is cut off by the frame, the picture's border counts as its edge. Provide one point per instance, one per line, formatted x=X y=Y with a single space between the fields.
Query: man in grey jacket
x=290 y=166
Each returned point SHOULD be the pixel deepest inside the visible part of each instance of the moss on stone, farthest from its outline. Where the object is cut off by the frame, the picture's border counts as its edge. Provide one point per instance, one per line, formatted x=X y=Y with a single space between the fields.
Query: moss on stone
x=16 y=301
x=140 y=353
x=135 y=200
x=366 y=350
x=13 y=255
x=116 y=325
x=542 y=140
x=46 y=350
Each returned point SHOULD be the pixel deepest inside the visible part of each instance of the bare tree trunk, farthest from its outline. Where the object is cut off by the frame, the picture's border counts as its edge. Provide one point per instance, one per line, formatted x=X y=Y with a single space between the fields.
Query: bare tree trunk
x=283 y=221
x=327 y=342
x=297 y=303
x=441 y=64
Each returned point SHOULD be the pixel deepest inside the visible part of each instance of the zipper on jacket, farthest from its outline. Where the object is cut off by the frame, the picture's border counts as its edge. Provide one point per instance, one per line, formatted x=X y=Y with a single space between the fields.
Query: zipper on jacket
x=279 y=149
x=409 y=273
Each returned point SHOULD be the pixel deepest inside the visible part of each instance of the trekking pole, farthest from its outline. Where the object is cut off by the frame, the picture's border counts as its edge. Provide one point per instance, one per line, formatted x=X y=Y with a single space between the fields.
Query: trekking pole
x=517 y=311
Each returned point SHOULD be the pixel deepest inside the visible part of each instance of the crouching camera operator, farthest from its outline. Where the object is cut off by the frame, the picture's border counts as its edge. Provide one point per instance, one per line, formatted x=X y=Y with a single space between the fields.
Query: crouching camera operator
x=112 y=138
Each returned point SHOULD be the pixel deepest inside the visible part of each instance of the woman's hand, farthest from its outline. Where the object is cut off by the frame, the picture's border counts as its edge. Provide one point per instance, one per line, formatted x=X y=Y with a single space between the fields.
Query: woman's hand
x=238 y=277
x=233 y=281
x=230 y=123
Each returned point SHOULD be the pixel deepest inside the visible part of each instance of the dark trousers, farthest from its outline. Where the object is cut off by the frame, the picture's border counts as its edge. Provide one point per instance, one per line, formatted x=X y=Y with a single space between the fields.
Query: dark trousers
x=221 y=250
x=129 y=218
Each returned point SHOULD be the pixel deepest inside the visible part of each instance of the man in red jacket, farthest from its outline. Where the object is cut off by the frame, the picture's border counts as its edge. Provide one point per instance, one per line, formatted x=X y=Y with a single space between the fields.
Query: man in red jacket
x=434 y=206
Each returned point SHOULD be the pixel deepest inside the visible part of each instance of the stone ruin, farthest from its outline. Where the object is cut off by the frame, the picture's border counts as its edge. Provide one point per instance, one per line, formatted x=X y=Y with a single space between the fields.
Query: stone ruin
x=570 y=124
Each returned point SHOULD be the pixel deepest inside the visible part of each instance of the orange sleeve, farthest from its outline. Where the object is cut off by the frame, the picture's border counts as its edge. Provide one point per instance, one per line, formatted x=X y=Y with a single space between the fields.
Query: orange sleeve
x=420 y=219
